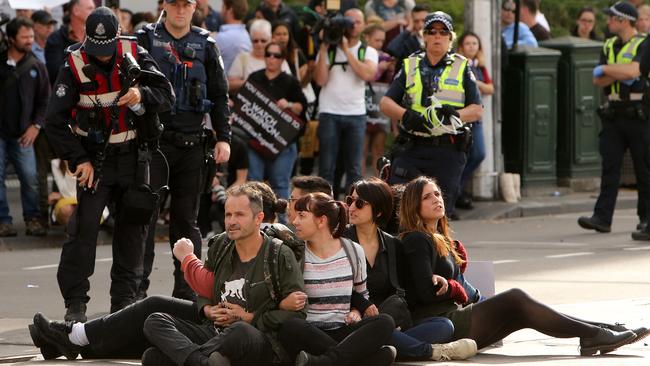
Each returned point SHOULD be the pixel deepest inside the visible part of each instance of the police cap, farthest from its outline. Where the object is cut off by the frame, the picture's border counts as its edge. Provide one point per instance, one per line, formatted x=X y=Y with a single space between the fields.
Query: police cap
x=624 y=10
x=102 y=32
x=439 y=16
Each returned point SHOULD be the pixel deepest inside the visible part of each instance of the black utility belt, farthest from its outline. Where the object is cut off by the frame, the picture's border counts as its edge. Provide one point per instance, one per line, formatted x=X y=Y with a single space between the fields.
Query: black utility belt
x=180 y=139
x=442 y=140
x=632 y=110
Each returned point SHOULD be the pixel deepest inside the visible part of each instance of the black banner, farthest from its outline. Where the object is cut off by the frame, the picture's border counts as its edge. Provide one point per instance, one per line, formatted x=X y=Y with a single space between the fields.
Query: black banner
x=271 y=129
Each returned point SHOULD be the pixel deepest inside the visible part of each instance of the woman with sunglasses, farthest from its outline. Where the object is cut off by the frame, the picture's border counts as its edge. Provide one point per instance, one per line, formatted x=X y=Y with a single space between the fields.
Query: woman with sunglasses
x=287 y=94
x=433 y=97
x=433 y=261
x=370 y=205
x=245 y=62
x=334 y=333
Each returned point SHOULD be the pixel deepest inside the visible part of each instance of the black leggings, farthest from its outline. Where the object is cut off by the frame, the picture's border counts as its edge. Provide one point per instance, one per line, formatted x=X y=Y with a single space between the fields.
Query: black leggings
x=354 y=344
x=121 y=335
x=507 y=312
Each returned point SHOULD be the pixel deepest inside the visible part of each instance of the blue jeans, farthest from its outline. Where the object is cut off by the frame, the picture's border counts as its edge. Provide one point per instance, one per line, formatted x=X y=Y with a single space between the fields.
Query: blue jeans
x=278 y=171
x=348 y=132
x=476 y=154
x=415 y=343
x=24 y=161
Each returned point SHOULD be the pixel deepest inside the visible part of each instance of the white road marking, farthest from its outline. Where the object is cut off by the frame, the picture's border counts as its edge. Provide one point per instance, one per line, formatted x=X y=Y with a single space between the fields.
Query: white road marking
x=503 y=261
x=569 y=255
x=57 y=265
x=636 y=248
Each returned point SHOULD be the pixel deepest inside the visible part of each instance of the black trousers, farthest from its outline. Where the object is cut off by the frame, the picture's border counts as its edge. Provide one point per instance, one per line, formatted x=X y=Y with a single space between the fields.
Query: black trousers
x=241 y=343
x=618 y=135
x=44 y=156
x=121 y=334
x=77 y=262
x=444 y=163
x=349 y=345
x=186 y=166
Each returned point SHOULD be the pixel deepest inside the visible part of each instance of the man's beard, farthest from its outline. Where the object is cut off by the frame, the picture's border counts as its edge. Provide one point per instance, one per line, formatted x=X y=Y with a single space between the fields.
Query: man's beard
x=22 y=49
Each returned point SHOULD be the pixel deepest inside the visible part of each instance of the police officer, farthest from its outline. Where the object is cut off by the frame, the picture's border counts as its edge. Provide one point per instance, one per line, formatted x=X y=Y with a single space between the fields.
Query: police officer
x=190 y=59
x=91 y=124
x=625 y=118
x=432 y=140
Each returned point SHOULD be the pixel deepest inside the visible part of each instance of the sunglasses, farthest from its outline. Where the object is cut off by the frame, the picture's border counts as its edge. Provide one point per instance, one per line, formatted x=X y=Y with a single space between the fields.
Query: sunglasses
x=274 y=55
x=260 y=40
x=434 y=32
x=358 y=201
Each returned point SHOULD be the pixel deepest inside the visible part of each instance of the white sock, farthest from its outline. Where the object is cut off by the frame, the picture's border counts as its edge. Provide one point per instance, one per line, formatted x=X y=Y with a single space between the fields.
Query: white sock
x=78 y=335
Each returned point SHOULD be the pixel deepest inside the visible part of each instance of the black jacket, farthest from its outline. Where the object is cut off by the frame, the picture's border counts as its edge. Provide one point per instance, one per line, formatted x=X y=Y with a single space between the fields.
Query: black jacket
x=157 y=97
x=55 y=47
x=33 y=89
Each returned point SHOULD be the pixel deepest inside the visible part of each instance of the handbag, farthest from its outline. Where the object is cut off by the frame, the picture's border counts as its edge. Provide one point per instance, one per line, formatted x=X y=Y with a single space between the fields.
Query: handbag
x=397 y=308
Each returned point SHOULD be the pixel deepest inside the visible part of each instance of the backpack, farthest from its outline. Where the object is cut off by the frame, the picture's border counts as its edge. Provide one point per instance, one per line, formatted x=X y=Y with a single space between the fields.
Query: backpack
x=331 y=55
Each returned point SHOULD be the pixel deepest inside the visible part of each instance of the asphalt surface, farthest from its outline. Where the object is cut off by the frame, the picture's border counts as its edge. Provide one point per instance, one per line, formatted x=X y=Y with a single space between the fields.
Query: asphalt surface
x=603 y=277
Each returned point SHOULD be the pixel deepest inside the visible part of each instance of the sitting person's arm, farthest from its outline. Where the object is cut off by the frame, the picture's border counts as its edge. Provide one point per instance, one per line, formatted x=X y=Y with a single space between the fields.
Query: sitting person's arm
x=200 y=279
x=428 y=285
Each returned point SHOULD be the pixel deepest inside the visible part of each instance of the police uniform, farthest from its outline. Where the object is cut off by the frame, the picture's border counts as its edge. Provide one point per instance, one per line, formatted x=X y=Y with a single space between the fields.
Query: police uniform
x=625 y=125
x=417 y=153
x=86 y=125
x=193 y=65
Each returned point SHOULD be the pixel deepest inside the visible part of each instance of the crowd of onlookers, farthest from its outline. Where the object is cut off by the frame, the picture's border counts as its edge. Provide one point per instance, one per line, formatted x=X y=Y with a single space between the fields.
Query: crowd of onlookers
x=338 y=124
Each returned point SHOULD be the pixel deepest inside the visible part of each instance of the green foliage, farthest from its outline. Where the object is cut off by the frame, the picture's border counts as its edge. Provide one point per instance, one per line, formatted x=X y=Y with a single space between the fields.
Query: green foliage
x=562 y=14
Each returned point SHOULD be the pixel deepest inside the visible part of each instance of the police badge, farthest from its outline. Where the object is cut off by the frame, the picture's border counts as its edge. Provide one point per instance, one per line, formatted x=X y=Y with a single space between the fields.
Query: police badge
x=60 y=90
x=100 y=30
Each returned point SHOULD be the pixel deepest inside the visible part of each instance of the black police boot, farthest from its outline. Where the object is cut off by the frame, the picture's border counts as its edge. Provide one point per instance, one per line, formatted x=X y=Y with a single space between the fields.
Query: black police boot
x=76 y=312
x=154 y=357
x=594 y=223
x=641 y=235
x=48 y=350
x=56 y=334
x=182 y=290
x=120 y=304
x=464 y=201
x=605 y=341
x=642 y=225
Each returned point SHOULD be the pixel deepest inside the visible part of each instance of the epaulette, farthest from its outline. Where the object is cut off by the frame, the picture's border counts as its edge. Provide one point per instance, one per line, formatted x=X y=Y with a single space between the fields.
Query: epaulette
x=200 y=31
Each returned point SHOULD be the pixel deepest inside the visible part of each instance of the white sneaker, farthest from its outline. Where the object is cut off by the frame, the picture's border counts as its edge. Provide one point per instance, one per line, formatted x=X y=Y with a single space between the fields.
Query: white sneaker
x=461 y=349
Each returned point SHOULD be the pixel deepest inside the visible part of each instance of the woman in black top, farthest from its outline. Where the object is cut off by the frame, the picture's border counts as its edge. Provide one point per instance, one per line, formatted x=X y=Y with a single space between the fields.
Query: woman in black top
x=433 y=263
x=370 y=205
x=287 y=94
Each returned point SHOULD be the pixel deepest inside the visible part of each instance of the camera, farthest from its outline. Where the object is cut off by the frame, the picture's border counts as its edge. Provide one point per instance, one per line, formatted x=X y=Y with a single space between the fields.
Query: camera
x=334 y=27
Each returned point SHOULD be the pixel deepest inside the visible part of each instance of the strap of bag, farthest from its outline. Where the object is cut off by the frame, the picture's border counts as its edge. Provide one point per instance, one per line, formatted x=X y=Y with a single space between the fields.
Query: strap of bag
x=392 y=267
x=351 y=253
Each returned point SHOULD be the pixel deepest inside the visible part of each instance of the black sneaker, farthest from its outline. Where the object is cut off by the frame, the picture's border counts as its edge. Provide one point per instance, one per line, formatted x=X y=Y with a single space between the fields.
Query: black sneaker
x=385 y=356
x=48 y=350
x=594 y=223
x=154 y=357
x=56 y=334
x=76 y=312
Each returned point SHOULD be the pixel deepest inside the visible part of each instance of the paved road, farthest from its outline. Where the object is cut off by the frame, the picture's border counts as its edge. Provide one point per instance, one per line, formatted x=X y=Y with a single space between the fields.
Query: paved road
x=597 y=276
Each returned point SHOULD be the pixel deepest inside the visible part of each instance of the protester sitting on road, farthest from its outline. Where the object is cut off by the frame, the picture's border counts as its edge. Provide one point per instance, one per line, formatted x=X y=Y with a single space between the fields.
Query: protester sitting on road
x=370 y=204
x=287 y=94
x=334 y=333
x=432 y=262
x=302 y=186
x=241 y=321
x=245 y=62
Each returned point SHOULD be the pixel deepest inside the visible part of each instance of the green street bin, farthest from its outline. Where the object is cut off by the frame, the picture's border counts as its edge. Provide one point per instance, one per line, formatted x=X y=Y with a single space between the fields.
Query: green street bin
x=529 y=109
x=578 y=158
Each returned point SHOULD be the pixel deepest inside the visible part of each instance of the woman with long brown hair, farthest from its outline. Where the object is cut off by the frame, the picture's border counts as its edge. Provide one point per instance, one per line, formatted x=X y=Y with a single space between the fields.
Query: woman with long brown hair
x=432 y=263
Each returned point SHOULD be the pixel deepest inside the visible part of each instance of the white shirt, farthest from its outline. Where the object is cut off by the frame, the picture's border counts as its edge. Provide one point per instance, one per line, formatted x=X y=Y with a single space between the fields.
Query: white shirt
x=344 y=93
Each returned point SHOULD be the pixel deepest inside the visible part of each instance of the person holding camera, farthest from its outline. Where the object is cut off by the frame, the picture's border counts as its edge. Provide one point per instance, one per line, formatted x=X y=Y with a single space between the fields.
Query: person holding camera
x=190 y=59
x=433 y=96
x=344 y=65
x=91 y=93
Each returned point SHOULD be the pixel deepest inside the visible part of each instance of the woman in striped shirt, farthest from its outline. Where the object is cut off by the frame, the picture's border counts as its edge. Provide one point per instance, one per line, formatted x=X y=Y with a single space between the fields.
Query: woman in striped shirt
x=334 y=333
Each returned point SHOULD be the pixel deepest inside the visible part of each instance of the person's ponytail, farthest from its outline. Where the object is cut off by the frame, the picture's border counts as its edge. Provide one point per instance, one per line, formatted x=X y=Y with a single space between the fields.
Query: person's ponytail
x=341 y=220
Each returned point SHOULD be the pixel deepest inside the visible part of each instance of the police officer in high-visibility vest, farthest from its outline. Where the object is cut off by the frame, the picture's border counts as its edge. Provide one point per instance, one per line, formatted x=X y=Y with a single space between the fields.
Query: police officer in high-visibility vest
x=94 y=123
x=190 y=59
x=625 y=119
x=432 y=96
